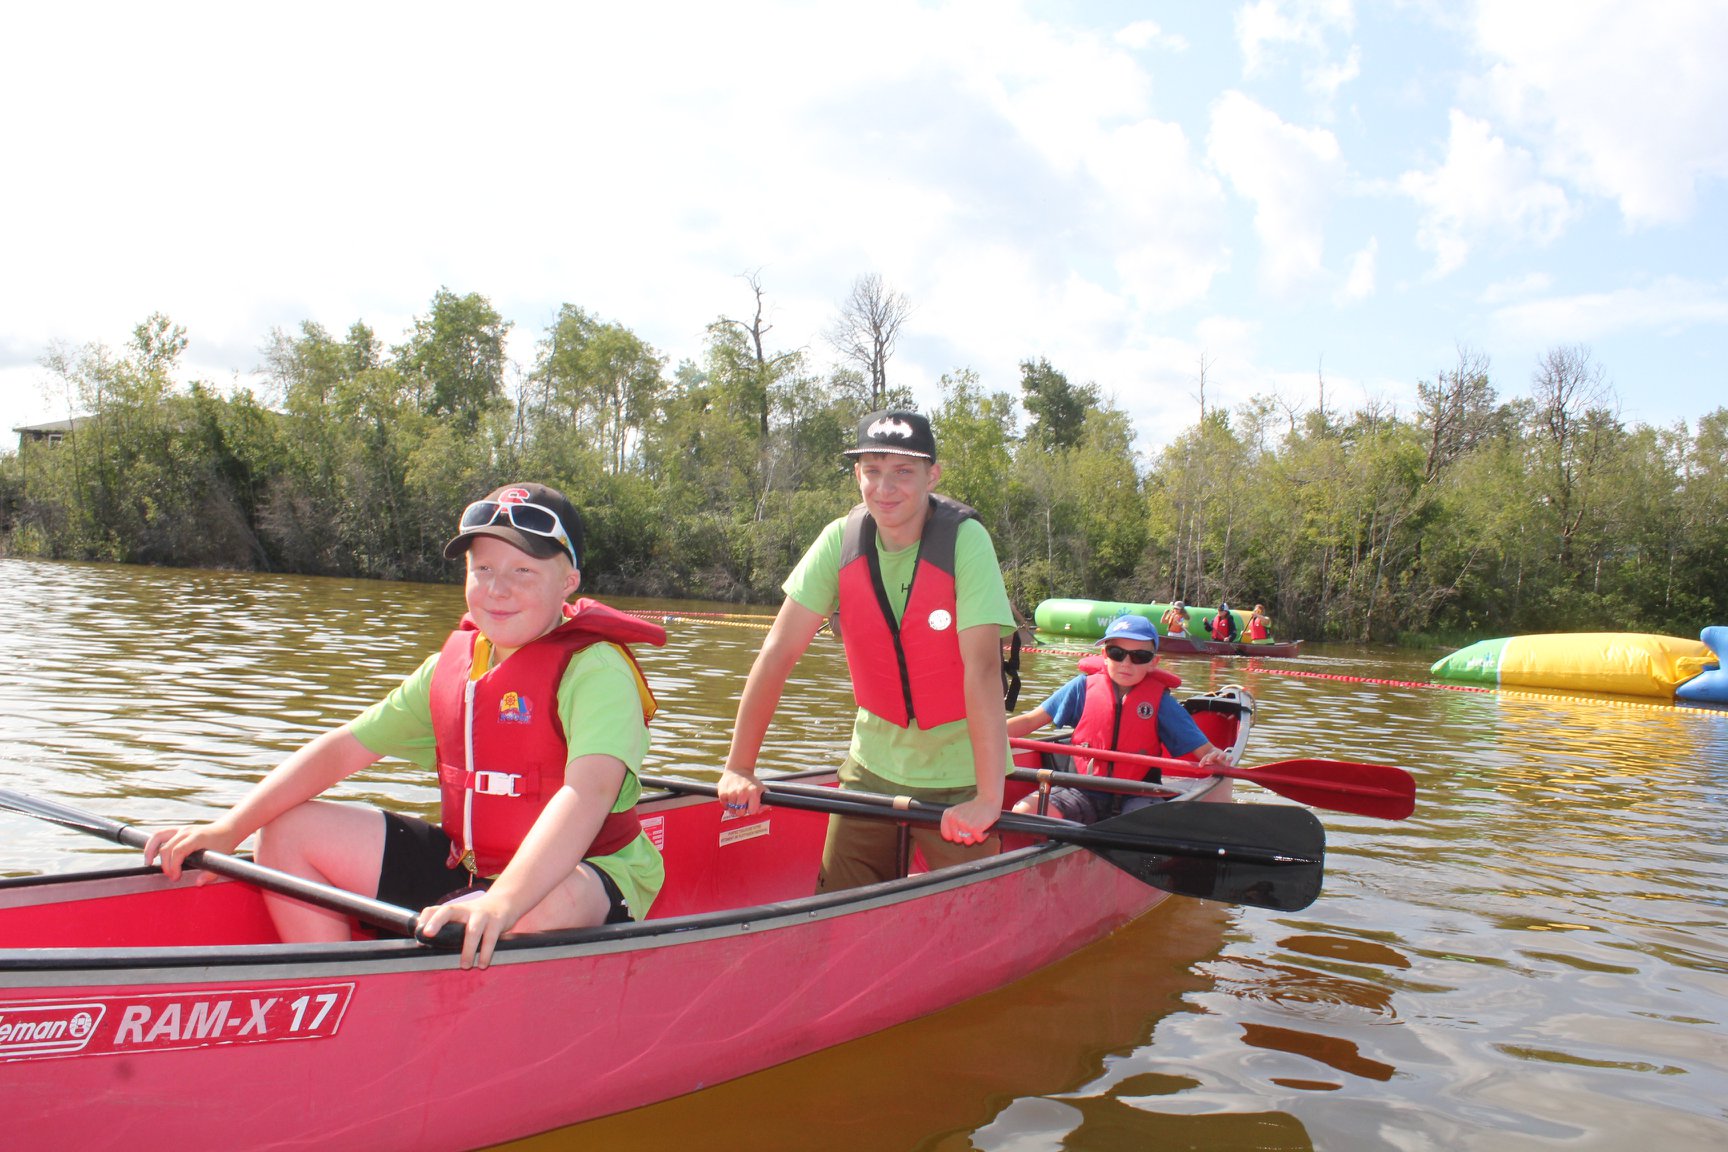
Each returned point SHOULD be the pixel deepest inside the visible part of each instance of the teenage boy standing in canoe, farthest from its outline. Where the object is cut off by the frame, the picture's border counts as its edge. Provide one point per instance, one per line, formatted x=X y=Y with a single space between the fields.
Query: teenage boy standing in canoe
x=1124 y=706
x=534 y=715
x=912 y=583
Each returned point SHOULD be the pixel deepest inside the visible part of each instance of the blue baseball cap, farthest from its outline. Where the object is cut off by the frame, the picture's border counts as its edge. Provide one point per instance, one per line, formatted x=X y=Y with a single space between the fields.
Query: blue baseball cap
x=1132 y=628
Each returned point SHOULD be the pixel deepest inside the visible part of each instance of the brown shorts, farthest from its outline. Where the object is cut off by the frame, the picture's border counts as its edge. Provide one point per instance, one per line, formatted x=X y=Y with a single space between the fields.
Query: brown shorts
x=862 y=851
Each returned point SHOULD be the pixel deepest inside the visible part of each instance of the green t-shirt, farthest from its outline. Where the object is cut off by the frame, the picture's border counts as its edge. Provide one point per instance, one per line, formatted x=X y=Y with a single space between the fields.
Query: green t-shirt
x=939 y=757
x=601 y=712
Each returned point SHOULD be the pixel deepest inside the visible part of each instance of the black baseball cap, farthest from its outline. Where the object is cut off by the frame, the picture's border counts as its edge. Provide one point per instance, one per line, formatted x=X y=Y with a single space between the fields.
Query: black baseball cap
x=896 y=432
x=537 y=519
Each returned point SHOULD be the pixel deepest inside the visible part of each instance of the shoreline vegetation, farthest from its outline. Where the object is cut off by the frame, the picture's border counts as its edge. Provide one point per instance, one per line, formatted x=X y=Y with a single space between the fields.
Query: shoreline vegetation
x=1472 y=516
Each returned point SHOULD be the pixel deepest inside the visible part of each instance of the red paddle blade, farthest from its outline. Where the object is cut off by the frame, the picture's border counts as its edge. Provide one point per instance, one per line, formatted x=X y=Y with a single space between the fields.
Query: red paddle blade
x=1378 y=790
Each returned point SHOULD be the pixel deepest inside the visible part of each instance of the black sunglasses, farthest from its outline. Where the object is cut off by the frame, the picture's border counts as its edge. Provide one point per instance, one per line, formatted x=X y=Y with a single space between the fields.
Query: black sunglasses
x=1137 y=655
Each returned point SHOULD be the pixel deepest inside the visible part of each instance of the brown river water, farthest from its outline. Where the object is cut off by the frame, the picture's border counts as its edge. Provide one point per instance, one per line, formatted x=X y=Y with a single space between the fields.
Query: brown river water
x=1537 y=959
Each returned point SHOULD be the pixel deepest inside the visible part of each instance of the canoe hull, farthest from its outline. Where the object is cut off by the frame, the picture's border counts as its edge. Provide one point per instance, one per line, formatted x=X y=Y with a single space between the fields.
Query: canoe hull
x=383 y=1044
x=1178 y=645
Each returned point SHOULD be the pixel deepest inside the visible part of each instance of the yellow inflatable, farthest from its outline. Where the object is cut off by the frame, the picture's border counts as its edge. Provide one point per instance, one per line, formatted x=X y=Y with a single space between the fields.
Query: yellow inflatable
x=1627 y=663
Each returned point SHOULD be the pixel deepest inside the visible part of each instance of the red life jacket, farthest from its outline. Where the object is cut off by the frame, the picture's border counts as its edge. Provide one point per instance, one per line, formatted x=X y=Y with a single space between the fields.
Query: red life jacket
x=910 y=670
x=493 y=790
x=1256 y=627
x=1125 y=723
x=1222 y=626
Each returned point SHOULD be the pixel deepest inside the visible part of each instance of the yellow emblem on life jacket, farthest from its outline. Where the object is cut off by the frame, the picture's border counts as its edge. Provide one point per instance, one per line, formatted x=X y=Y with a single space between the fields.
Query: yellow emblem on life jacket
x=513 y=708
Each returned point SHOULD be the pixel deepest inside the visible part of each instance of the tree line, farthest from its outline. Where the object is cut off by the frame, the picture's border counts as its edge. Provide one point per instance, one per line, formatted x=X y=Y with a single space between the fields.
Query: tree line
x=1472 y=515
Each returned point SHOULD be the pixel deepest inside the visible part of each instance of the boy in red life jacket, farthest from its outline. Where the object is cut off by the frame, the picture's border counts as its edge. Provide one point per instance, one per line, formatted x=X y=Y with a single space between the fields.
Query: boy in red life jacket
x=912 y=583
x=534 y=716
x=1224 y=624
x=1126 y=706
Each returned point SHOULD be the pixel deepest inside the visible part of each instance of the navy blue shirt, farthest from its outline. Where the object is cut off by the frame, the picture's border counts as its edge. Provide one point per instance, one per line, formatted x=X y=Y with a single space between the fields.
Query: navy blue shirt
x=1176 y=729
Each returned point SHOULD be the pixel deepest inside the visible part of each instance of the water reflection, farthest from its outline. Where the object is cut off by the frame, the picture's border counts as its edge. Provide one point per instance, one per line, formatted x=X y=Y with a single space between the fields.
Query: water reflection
x=1039 y=1064
x=1536 y=956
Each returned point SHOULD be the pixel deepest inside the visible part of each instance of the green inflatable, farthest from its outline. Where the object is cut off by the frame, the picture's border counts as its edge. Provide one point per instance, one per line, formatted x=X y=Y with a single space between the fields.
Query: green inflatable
x=1087 y=619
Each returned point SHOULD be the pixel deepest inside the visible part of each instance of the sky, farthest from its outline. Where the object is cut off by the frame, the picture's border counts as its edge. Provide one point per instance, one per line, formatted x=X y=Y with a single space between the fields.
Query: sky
x=1176 y=202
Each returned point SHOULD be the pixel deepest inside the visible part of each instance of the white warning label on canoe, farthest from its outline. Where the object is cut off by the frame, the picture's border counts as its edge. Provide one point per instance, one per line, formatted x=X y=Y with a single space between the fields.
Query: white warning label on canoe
x=155 y=1022
x=747 y=832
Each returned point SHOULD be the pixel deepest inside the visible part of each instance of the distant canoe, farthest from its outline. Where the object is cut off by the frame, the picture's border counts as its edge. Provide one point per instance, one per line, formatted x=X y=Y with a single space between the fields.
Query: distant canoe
x=1169 y=644
x=1622 y=663
x=1087 y=619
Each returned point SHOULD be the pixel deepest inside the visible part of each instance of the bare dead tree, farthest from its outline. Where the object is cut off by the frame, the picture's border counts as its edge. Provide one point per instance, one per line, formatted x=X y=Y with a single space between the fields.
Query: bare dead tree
x=1457 y=410
x=767 y=368
x=1201 y=394
x=869 y=323
x=1575 y=409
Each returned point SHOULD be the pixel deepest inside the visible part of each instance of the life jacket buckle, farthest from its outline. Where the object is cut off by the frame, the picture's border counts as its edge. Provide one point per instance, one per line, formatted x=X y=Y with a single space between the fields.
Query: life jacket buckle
x=490 y=783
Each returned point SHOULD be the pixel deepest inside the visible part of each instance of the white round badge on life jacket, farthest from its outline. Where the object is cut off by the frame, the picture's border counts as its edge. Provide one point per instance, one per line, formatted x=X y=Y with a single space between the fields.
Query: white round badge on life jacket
x=1144 y=711
x=940 y=620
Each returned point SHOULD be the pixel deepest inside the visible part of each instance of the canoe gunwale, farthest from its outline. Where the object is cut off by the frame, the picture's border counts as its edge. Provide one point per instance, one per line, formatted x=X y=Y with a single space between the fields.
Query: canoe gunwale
x=27 y=967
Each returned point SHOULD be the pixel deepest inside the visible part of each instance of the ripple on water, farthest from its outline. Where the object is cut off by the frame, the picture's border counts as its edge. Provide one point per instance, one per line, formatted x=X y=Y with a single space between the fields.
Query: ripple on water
x=1536 y=957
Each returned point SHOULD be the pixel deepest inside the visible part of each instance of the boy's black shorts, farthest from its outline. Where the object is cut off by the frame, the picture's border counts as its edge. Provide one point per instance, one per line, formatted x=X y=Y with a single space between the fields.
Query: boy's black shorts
x=415 y=872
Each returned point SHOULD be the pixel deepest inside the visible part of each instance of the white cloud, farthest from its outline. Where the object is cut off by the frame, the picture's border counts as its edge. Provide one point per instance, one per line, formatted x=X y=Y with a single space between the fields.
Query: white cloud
x=1359 y=282
x=1326 y=78
x=1036 y=180
x=1267 y=25
x=1485 y=187
x=1147 y=34
x=1517 y=288
x=1626 y=100
x=1164 y=214
x=1288 y=172
x=1666 y=307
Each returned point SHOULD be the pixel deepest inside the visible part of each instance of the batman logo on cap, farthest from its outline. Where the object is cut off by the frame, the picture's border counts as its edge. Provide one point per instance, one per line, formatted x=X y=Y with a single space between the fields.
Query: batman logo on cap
x=891 y=426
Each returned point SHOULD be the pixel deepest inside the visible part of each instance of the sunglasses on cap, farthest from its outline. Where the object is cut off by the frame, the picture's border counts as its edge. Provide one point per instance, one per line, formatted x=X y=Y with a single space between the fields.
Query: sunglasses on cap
x=1133 y=655
x=535 y=519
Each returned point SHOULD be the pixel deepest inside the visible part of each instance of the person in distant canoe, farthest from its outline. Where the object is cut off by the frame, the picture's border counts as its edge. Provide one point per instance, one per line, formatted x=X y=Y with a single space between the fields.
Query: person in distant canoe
x=1224 y=624
x=1125 y=706
x=534 y=716
x=1175 y=619
x=911 y=582
x=1259 y=625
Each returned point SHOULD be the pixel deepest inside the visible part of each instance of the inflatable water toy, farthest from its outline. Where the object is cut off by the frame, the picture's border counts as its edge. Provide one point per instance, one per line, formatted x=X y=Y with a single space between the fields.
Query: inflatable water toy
x=1623 y=663
x=1711 y=685
x=1087 y=619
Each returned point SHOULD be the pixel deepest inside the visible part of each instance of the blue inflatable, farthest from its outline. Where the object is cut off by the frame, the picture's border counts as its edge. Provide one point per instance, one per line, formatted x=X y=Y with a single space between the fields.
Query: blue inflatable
x=1711 y=686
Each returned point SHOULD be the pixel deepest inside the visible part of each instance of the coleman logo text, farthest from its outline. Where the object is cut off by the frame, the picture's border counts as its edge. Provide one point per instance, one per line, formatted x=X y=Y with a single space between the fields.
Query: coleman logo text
x=107 y=1025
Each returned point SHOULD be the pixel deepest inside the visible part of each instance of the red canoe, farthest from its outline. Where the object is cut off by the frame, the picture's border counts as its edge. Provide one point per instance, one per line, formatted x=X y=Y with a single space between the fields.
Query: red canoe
x=1185 y=644
x=135 y=1012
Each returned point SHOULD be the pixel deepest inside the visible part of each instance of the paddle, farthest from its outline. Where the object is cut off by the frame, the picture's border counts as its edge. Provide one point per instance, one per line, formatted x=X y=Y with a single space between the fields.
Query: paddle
x=1340 y=785
x=363 y=908
x=1112 y=784
x=1262 y=855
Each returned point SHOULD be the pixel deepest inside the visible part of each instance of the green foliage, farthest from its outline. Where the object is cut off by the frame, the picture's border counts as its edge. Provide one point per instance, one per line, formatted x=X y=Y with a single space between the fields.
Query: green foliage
x=453 y=362
x=1058 y=408
x=1471 y=517
x=593 y=386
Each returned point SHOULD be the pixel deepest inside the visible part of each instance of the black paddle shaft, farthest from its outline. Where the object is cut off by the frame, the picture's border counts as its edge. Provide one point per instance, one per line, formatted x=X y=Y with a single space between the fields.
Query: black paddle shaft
x=363 y=908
